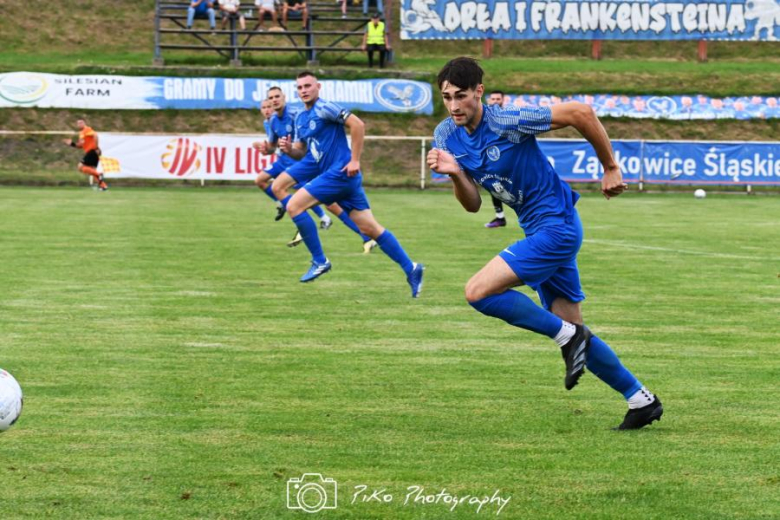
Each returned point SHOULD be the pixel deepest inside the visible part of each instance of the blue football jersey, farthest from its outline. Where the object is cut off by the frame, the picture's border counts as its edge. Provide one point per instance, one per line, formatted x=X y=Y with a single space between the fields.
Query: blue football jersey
x=322 y=129
x=282 y=127
x=503 y=157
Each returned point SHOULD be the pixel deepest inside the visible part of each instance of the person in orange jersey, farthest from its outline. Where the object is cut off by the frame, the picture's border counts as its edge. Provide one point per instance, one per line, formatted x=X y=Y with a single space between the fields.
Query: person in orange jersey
x=88 y=141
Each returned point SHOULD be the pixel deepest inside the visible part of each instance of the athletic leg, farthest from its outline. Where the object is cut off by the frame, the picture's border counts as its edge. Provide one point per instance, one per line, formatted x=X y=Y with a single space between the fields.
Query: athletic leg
x=297 y=207
x=390 y=246
x=601 y=360
x=499 y=220
x=264 y=181
x=490 y=292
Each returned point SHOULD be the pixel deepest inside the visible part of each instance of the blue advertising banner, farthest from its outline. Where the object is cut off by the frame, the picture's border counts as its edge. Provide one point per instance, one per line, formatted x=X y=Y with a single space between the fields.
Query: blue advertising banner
x=665 y=162
x=33 y=89
x=591 y=20
x=662 y=107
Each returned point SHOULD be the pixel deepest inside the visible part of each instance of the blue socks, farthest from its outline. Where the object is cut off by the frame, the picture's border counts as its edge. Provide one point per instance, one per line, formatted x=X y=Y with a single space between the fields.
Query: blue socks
x=317 y=210
x=344 y=217
x=521 y=311
x=605 y=365
x=308 y=230
x=389 y=244
x=268 y=191
x=285 y=200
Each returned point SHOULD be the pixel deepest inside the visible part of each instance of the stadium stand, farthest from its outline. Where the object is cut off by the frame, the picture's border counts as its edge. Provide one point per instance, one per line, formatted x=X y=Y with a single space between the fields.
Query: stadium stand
x=326 y=31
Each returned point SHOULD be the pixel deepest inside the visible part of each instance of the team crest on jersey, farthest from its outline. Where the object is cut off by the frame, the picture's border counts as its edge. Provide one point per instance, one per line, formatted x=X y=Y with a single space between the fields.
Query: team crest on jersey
x=493 y=153
x=312 y=125
x=288 y=128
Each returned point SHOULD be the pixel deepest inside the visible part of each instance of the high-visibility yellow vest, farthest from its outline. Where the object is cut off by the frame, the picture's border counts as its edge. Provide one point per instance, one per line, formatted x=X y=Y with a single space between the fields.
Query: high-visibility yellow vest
x=376 y=34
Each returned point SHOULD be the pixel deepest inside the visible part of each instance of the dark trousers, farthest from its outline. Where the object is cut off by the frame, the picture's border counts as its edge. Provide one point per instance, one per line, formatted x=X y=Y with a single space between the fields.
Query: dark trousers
x=497 y=205
x=382 y=52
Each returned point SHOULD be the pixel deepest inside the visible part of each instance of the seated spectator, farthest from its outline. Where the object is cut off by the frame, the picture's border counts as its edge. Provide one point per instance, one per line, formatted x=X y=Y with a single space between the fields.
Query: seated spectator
x=295 y=9
x=375 y=39
x=231 y=9
x=201 y=9
x=265 y=6
x=380 y=8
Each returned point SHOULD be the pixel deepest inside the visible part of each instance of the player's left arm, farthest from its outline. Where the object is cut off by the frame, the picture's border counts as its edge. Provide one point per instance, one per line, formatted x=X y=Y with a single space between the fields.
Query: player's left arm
x=584 y=119
x=357 y=131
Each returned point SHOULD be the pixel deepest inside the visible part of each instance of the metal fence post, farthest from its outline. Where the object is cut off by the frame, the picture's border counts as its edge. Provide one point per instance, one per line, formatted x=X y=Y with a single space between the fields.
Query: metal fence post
x=422 y=163
x=158 y=60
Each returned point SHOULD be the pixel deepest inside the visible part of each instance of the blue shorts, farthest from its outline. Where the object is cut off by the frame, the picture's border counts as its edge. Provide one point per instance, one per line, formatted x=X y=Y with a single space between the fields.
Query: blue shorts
x=547 y=262
x=336 y=186
x=275 y=169
x=304 y=170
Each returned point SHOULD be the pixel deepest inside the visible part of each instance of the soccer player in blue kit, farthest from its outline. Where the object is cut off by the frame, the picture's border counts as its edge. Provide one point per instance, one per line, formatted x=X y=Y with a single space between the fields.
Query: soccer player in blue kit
x=286 y=172
x=320 y=131
x=497 y=149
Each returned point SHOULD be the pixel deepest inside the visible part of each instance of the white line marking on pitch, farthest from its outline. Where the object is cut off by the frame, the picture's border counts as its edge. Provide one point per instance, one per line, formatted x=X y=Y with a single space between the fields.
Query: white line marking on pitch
x=628 y=245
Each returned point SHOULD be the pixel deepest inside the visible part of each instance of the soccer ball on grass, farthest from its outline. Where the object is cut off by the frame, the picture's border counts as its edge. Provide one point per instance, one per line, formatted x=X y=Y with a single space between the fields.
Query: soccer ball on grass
x=11 y=400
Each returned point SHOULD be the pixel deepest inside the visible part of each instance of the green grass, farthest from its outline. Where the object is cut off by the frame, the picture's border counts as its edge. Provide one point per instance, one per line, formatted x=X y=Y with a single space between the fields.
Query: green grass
x=174 y=367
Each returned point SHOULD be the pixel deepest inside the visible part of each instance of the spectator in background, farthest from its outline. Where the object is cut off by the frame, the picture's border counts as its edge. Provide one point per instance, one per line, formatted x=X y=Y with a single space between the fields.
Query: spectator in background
x=231 y=9
x=343 y=7
x=295 y=9
x=380 y=8
x=201 y=9
x=265 y=6
x=496 y=97
x=375 y=39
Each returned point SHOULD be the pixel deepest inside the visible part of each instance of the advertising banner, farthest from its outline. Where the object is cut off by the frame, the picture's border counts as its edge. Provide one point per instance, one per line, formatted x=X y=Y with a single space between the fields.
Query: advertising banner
x=33 y=89
x=591 y=20
x=681 y=108
x=669 y=162
x=196 y=157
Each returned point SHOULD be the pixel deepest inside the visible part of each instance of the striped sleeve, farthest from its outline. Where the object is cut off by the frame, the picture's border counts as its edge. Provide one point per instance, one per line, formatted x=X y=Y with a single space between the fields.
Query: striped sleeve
x=515 y=123
x=442 y=133
x=328 y=111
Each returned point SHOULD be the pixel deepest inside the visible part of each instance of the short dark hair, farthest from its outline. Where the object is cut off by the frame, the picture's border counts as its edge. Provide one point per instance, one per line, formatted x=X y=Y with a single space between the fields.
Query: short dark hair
x=275 y=87
x=499 y=92
x=462 y=72
x=306 y=73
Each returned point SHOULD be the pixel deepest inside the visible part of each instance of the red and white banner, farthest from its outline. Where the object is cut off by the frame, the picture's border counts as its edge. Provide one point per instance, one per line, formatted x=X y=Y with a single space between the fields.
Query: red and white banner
x=208 y=157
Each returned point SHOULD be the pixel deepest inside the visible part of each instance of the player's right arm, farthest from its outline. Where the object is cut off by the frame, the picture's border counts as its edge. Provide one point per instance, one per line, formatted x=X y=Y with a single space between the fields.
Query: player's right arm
x=465 y=189
x=74 y=143
x=296 y=150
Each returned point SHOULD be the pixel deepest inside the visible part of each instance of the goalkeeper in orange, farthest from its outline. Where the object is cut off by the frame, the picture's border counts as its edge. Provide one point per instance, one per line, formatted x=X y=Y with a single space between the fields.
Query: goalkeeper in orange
x=88 y=141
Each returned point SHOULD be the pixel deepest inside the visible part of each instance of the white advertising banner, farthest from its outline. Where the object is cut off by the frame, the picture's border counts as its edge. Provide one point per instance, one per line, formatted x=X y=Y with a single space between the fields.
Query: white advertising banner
x=207 y=157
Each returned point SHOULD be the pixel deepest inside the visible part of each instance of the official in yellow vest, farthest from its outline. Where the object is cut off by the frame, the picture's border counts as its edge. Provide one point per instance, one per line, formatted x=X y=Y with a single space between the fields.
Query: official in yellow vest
x=375 y=39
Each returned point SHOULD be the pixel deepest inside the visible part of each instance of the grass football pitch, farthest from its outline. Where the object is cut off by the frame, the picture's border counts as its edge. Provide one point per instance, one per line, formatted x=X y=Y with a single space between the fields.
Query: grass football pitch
x=174 y=367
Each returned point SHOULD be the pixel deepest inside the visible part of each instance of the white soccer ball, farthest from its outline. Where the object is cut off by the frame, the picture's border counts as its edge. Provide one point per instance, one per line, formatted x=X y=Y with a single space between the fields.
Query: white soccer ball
x=700 y=193
x=11 y=400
